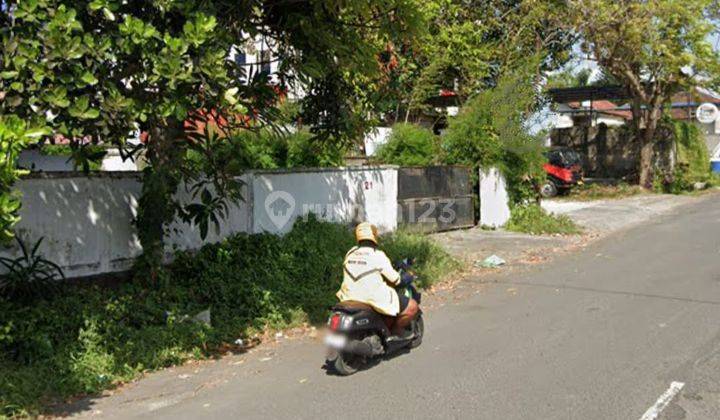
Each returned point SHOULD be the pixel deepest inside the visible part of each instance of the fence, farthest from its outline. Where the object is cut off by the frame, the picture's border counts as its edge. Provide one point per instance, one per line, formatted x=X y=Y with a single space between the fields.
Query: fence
x=87 y=221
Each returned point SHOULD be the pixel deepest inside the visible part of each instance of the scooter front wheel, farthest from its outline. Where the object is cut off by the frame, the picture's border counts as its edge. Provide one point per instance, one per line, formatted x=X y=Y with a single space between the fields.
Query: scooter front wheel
x=346 y=364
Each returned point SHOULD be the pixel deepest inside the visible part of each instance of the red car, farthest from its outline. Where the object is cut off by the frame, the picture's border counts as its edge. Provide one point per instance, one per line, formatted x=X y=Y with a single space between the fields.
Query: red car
x=564 y=171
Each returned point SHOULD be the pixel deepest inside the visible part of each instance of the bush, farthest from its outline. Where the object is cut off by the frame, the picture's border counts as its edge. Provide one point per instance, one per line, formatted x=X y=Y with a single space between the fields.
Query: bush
x=409 y=145
x=534 y=220
x=83 y=340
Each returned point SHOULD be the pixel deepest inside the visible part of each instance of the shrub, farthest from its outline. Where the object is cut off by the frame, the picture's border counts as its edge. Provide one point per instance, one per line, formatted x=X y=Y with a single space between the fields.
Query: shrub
x=534 y=220
x=693 y=160
x=409 y=145
x=28 y=276
x=434 y=262
x=267 y=149
x=84 y=339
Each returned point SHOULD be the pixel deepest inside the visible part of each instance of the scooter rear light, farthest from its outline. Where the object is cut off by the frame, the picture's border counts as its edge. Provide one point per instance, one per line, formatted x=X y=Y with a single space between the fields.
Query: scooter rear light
x=335 y=321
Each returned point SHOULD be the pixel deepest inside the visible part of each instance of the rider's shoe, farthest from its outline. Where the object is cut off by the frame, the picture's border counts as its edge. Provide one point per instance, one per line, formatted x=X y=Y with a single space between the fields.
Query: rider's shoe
x=404 y=336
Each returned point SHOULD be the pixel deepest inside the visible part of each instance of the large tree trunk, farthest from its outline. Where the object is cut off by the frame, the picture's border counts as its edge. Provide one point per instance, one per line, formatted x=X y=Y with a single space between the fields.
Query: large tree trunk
x=647 y=143
x=156 y=206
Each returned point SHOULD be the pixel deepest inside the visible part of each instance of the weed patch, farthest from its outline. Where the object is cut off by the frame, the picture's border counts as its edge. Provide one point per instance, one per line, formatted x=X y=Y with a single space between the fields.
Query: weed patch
x=86 y=339
x=590 y=192
x=534 y=220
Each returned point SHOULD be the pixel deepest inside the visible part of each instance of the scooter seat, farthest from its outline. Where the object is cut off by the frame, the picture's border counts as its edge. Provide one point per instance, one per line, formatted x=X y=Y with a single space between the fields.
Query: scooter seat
x=352 y=307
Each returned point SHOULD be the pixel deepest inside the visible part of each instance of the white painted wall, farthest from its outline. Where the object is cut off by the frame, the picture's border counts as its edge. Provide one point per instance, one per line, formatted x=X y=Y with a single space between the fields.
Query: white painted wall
x=342 y=195
x=87 y=221
x=376 y=138
x=36 y=161
x=114 y=162
x=494 y=200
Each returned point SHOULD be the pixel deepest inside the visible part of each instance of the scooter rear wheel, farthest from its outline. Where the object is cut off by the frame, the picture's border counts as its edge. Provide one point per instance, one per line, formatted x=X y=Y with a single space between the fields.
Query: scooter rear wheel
x=346 y=364
x=418 y=327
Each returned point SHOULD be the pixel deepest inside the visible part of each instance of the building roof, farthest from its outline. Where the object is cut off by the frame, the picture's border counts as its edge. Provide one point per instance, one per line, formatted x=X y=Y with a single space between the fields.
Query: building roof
x=683 y=104
x=603 y=107
x=587 y=93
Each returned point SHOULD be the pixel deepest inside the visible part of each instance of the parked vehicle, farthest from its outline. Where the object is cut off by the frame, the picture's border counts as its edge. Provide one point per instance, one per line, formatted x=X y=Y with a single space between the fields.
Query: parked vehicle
x=358 y=334
x=564 y=171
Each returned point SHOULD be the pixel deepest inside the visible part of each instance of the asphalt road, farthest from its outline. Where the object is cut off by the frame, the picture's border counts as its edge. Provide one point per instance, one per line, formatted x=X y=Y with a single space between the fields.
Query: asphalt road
x=600 y=334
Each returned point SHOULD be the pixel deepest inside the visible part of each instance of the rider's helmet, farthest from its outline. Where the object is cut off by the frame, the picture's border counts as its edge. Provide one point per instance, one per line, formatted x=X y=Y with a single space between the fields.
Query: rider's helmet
x=366 y=232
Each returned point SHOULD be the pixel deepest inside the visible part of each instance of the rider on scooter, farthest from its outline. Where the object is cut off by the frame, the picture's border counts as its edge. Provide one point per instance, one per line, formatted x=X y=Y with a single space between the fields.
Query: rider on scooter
x=369 y=277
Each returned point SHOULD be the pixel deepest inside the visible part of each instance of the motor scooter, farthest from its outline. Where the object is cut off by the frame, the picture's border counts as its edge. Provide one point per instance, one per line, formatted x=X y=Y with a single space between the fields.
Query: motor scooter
x=357 y=333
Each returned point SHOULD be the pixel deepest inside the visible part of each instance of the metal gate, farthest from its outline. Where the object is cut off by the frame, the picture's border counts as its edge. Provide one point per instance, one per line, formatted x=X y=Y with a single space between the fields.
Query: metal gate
x=435 y=198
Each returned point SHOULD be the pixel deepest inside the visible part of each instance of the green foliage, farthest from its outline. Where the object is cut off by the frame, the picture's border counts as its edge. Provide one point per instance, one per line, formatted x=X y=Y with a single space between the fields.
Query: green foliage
x=409 y=145
x=15 y=135
x=569 y=78
x=490 y=131
x=433 y=262
x=101 y=69
x=269 y=149
x=534 y=220
x=693 y=160
x=30 y=275
x=670 y=40
x=468 y=46
x=86 y=339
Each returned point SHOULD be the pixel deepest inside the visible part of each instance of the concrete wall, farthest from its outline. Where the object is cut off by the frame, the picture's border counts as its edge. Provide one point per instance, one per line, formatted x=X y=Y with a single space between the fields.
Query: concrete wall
x=342 y=195
x=376 y=138
x=34 y=160
x=494 y=198
x=87 y=220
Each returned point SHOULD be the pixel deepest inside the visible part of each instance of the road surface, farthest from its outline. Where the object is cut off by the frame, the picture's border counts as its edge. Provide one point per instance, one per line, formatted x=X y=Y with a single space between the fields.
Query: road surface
x=627 y=328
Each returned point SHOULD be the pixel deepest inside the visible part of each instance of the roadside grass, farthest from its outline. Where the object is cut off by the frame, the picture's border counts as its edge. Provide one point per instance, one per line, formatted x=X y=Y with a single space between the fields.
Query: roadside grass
x=534 y=220
x=86 y=339
x=590 y=192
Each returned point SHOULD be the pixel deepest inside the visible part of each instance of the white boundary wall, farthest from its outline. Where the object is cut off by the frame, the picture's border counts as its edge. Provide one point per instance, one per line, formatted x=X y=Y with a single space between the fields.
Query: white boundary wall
x=494 y=207
x=342 y=195
x=87 y=222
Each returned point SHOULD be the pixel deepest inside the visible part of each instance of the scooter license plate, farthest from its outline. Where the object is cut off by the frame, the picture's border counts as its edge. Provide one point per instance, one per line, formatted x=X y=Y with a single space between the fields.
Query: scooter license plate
x=336 y=341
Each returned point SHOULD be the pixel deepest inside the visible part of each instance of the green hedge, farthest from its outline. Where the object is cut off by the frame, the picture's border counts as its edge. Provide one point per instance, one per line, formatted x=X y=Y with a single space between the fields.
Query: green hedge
x=83 y=340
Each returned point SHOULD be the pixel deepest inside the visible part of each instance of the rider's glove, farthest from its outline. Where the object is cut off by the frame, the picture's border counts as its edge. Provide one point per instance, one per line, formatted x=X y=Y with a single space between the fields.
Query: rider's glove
x=406 y=278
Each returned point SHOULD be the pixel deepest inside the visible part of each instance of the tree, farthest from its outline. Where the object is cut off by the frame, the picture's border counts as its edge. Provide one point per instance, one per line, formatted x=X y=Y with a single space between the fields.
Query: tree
x=468 y=45
x=98 y=70
x=15 y=134
x=569 y=78
x=654 y=48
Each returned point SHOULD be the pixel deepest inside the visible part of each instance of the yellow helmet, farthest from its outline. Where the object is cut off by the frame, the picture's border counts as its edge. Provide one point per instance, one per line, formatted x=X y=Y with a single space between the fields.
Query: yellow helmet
x=366 y=232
